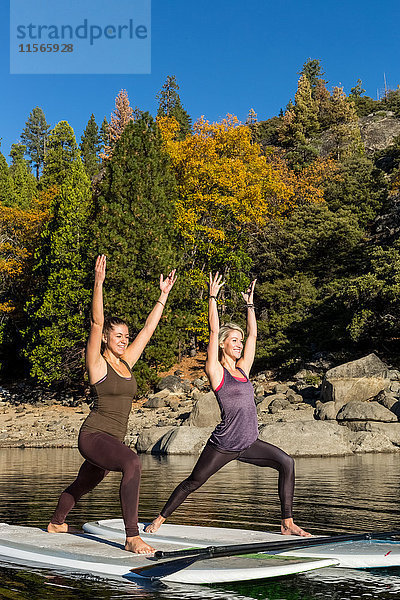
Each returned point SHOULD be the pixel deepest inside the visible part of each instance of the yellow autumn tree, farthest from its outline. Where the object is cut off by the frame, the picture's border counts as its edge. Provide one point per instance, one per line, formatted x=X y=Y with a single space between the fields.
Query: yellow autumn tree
x=227 y=189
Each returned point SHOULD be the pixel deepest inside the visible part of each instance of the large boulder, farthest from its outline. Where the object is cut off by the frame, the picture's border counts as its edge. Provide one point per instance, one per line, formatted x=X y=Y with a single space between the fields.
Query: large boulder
x=206 y=411
x=185 y=440
x=365 y=411
x=308 y=438
x=326 y=411
x=155 y=402
x=365 y=441
x=378 y=130
x=149 y=439
x=389 y=430
x=356 y=380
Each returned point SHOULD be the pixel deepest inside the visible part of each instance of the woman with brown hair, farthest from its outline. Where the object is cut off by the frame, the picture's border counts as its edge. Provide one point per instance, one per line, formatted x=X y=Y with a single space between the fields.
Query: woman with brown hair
x=102 y=433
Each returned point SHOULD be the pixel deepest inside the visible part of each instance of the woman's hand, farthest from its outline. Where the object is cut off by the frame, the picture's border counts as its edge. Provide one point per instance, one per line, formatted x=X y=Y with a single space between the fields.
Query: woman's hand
x=100 y=269
x=215 y=284
x=167 y=284
x=248 y=295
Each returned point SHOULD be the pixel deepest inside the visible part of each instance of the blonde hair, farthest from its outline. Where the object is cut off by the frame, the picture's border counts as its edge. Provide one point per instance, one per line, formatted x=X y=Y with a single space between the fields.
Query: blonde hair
x=224 y=332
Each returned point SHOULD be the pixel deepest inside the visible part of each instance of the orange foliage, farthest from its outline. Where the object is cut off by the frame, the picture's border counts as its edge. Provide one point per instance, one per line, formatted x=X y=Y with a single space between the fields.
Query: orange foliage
x=18 y=232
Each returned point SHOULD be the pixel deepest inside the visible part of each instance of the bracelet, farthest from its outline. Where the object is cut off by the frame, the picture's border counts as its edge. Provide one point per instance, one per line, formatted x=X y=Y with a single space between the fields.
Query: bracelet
x=215 y=297
x=250 y=305
x=159 y=301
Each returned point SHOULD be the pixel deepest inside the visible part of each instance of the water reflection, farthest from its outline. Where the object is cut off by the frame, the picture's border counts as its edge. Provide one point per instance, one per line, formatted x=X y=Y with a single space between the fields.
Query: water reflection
x=353 y=493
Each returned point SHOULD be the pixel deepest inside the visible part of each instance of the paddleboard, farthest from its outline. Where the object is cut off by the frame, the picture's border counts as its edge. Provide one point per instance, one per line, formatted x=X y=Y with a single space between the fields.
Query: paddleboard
x=354 y=554
x=104 y=556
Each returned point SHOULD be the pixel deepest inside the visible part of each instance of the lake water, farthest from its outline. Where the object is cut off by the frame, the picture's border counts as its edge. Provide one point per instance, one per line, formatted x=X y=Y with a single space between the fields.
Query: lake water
x=351 y=494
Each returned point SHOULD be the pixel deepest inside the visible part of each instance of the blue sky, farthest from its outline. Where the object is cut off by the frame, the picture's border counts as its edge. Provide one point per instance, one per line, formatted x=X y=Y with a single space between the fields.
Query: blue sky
x=228 y=56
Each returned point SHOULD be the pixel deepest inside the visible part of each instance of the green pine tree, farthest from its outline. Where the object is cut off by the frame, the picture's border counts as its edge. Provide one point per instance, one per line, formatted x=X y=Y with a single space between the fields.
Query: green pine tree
x=6 y=183
x=58 y=309
x=344 y=126
x=170 y=106
x=103 y=134
x=134 y=226
x=299 y=126
x=312 y=70
x=90 y=148
x=24 y=182
x=34 y=136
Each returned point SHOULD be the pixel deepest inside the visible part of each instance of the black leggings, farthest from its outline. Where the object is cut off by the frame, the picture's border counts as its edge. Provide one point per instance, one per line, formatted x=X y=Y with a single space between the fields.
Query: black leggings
x=104 y=453
x=259 y=453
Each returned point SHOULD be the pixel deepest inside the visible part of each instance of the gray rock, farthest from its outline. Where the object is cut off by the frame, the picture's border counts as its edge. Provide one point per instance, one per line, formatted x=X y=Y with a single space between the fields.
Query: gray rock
x=185 y=440
x=365 y=411
x=303 y=374
x=260 y=377
x=365 y=441
x=390 y=430
x=150 y=438
x=378 y=130
x=170 y=382
x=386 y=399
x=293 y=397
x=368 y=366
x=206 y=412
x=173 y=401
x=263 y=406
x=394 y=374
x=259 y=389
x=196 y=394
x=186 y=385
x=356 y=380
x=280 y=388
x=277 y=405
x=200 y=383
x=395 y=387
x=309 y=438
x=155 y=403
x=161 y=394
x=326 y=411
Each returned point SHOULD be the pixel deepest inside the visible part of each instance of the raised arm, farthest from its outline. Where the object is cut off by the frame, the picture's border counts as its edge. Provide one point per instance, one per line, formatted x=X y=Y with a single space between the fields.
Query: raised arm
x=135 y=349
x=214 y=368
x=246 y=361
x=95 y=363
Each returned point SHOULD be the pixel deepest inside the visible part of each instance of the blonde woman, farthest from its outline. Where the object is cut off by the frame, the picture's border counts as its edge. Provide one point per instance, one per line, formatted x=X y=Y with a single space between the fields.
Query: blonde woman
x=228 y=367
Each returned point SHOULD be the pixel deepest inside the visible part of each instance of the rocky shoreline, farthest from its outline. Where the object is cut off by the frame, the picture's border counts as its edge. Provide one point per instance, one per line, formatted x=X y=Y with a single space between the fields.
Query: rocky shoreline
x=322 y=411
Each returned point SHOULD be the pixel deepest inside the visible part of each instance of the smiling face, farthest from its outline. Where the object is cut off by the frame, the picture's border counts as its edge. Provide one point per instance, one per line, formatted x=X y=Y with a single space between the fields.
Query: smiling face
x=117 y=339
x=232 y=346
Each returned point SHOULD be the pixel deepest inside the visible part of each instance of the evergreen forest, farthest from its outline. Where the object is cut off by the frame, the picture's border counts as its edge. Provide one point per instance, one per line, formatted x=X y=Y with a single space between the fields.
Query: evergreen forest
x=307 y=202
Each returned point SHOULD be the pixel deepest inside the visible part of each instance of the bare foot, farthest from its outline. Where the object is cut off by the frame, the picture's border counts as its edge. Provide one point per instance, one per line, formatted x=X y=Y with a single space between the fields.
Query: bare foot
x=155 y=525
x=136 y=545
x=53 y=528
x=290 y=528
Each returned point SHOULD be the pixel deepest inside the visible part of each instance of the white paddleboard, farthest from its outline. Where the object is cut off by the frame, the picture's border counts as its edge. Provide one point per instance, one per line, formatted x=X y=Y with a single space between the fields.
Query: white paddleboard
x=353 y=555
x=97 y=555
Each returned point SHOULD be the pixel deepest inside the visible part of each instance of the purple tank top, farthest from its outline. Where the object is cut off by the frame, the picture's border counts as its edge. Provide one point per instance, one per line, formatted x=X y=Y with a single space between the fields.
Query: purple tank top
x=239 y=426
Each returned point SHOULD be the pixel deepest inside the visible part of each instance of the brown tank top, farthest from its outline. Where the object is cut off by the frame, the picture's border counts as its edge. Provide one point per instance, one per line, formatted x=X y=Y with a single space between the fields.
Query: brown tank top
x=112 y=403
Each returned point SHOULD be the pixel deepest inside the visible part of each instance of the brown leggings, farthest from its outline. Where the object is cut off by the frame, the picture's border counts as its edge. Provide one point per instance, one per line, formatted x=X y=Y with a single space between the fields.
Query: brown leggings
x=104 y=453
x=259 y=453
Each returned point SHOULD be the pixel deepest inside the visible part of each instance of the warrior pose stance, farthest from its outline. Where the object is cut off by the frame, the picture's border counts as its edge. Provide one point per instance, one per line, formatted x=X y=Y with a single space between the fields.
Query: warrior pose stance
x=236 y=436
x=102 y=433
